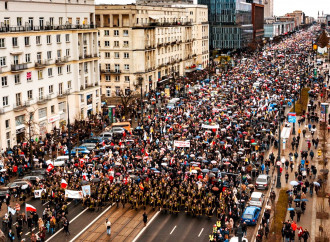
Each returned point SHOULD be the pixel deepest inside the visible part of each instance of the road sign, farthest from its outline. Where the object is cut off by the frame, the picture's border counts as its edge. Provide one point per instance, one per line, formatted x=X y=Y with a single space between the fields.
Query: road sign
x=292 y=117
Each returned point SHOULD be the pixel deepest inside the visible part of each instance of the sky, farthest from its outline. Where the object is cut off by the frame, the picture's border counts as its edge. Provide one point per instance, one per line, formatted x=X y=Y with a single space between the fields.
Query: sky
x=281 y=7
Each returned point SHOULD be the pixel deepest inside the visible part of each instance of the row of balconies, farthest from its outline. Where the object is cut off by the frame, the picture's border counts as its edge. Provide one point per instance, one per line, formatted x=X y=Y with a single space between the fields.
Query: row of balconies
x=176 y=23
x=116 y=71
x=87 y=56
x=84 y=87
x=46 y=27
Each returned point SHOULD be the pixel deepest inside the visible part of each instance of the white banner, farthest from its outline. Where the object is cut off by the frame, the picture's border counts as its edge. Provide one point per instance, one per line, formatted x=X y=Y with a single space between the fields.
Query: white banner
x=73 y=194
x=37 y=193
x=86 y=190
x=205 y=126
x=178 y=143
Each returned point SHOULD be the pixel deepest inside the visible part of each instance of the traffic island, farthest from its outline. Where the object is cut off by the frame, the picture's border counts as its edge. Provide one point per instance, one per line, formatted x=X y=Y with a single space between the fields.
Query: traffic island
x=301 y=104
x=279 y=215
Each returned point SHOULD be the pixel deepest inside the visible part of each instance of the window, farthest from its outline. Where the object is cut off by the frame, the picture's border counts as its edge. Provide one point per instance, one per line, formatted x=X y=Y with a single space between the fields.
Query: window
x=69 y=84
x=5 y=101
x=107 y=67
x=52 y=109
x=67 y=38
x=86 y=67
x=125 y=32
x=67 y=52
x=60 y=88
x=117 y=67
x=116 y=55
x=107 y=78
x=117 y=78
x=127 y=91
x=107 y=55
x=17 y=79
x=41 y=92
x=125 y=43
x=59 y=70
x=116 y=44
x=29 y=94
x=48 y=38
x=58 y=38
x=38 y=40
x=15 y=59
x=42 y=112
x=2 y=43
x=106 y=32
x=126 y=55
x=126 y=67
x=15 y=41
x=19 y=21
x=51 y=89
x=108 y=91
x=27 y=41
x=27 y=58
x=18 y=99
x=7 y=123
x=117 y=91
x=40 y=74
x=29 y=76
x=127 y=79
x=4 y=81
x=3 y=61
x=68 y=68
x=107 y=43
x=116 y=32
x=50 y=72
x=49 y=55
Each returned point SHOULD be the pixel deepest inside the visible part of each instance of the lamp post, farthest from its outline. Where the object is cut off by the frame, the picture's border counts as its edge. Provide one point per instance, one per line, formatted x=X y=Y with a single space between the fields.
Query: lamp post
x=294 y=110
x=278 y=163
x=69 y=129
x=140 y=79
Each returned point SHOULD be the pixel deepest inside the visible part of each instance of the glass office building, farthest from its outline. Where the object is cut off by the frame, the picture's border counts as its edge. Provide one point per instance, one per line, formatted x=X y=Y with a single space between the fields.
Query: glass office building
x=230 y=23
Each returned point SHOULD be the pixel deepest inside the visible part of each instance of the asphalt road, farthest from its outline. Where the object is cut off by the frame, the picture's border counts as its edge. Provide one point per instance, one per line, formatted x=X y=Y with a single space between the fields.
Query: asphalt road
x=166 y=227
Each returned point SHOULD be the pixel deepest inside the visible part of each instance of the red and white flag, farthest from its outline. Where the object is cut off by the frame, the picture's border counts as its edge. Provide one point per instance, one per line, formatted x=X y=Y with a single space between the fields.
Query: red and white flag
x=30 y=208
x=50 y=167
x=64 y=184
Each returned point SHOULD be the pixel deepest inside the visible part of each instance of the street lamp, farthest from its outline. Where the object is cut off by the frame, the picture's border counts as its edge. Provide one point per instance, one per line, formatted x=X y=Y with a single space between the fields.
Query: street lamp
x=278 y=163
x=140 y=79
x=294 y=110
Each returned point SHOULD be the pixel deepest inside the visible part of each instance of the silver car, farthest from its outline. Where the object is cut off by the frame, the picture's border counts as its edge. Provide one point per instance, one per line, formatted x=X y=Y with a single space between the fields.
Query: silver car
x=263 y=182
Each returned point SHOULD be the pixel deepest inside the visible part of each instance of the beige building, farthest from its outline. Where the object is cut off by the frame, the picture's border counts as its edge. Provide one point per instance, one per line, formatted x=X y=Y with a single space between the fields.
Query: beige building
x=48 y=66
x=149 y=42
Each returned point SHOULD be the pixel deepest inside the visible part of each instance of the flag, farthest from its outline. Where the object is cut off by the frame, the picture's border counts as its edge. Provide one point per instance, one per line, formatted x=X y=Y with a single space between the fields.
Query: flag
x=50 y=167
x=11 y=210
x=30 y=208
x=141 y=186
x=64 y=184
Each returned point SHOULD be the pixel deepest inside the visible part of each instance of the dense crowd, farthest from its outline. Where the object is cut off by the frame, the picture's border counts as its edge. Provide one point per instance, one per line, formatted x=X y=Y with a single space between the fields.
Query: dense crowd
x=230 y=120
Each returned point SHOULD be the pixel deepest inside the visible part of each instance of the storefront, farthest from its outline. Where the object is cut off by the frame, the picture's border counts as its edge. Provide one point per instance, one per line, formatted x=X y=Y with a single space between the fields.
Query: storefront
x=20 y=128
x=89 y=99
x=52 y=120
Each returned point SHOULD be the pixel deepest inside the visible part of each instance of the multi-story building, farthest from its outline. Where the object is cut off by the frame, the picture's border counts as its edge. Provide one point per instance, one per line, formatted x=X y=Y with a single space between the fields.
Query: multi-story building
x=278 y=28
x=268 y=8
x=149 y=43
x=230 y=23
x=163 y=3
x=48 y=66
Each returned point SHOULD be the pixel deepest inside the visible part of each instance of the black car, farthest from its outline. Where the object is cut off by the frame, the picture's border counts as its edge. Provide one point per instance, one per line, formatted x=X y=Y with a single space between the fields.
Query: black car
x=3 y=193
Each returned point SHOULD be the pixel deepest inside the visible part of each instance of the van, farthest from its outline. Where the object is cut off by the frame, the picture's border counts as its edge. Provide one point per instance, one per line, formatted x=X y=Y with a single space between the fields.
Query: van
x=59 y=161
x=319 y=62
x=174 y=100
x=125 y=125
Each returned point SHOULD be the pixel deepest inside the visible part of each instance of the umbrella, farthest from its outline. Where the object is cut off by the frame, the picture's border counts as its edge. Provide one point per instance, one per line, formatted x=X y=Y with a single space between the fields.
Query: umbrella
x=84 y=182
x=302 y=169
x=213 y=162
x=297 y=200
x=117 y=174
x=227 y=163
x=157 y=171
x=164 y=164
x=211 y=175
x=215 y=189
x=294 y=183
x=194 y=171
x=95 y=179
x=304 y=200
x=205 y=161
x=290 y=209
x=316 y=184
x=205 y=170
x=215 y=169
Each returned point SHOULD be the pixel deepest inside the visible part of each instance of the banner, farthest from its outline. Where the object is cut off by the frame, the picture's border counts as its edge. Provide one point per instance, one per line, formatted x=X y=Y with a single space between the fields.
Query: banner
x=86 y=190
x=292 y=117
x=206 y=126
x=185 y=144
x=73 y=194
x=37 y=193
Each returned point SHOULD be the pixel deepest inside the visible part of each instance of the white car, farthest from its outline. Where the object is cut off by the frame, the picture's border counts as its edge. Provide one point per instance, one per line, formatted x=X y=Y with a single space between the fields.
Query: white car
x=257 y=199
x=235 y=239
x=59 y=161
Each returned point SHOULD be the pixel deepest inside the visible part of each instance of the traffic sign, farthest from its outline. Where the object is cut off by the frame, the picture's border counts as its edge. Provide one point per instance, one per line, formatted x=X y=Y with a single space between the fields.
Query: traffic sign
x=292 y=117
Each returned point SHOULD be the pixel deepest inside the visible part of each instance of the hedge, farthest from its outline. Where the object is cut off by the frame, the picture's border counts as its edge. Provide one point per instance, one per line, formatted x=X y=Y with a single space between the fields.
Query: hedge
x=302 y=103
x=279 y=215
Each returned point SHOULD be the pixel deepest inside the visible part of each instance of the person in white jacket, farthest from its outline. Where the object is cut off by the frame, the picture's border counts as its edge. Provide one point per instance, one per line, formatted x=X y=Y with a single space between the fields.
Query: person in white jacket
x=108 y=225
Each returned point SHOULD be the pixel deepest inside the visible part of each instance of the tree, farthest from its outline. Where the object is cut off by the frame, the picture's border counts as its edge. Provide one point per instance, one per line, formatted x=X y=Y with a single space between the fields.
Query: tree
x=32 y=130
x=125 y=97
x=323 y=39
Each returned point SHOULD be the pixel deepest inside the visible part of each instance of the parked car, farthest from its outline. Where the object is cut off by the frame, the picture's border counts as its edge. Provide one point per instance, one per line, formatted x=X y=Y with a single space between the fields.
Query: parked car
x=251 y=215
x=235 y=239
x=257 y=199
x=36 y=172
x=23 y=184
x=93 y=140
x=117 y=130
x=3 y=193
x=319 y=62
x=89 y=146
x=106 y=135
x=59 y=161
x=263 y=182
x=33 y=178
x=79 y=150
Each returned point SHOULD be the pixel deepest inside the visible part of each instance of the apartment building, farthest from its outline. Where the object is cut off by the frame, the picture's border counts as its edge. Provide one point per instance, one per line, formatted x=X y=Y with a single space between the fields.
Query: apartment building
x=149 y=43
x=48 y=66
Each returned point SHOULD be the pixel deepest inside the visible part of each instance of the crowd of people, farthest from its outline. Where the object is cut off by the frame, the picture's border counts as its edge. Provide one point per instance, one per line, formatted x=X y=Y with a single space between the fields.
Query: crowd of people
x=229 y=124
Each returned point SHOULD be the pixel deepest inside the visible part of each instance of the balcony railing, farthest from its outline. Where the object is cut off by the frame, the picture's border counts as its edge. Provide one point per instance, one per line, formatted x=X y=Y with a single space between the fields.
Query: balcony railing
x=41 y=64
x=111 y=71
x=19 y=67
x=61 y=61
x=48 y=27
x=21 y=106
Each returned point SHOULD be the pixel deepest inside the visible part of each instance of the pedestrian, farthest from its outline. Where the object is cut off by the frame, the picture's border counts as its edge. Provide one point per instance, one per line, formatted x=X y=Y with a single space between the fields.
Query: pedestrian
x=305 y=235
x=66 y=227
x=145 y=218
x=292 y=214
x=11 y=235
x=108 y=226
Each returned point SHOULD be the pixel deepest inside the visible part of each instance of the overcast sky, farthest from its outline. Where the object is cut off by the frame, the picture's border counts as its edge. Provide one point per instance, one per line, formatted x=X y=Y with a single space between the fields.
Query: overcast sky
x=281 y=7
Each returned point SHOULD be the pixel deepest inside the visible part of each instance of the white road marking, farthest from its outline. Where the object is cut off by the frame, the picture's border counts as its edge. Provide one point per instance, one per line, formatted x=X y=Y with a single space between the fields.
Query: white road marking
x=200 y=232
x=27 y=233
x=70 y=223
x=45 y=203
x=15 y=223
x=97 y=218
x=33 y=229
x=173 y=229
x=139 y=234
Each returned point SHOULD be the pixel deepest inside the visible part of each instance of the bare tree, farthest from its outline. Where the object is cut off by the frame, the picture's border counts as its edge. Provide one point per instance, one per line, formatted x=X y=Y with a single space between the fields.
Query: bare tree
x=126 y=98
x=32 y=130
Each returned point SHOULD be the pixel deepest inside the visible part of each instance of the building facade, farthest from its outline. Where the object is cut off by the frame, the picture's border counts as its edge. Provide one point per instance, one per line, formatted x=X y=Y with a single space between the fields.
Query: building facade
x=150 y=44
x=163 y=3
x=230 y=23
x=269 y=8
x=278 y=28
x=48 y=66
